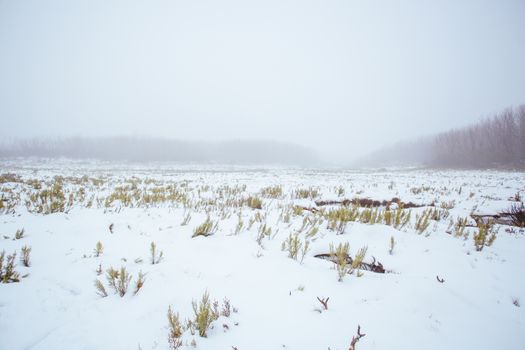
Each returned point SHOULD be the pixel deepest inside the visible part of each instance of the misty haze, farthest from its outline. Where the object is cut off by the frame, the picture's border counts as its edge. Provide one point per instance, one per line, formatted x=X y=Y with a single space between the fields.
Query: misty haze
x=262 y=174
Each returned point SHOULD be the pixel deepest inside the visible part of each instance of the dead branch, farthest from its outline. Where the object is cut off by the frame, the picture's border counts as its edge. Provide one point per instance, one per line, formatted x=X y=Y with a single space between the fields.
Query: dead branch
x=324 y=302
x=356 y=338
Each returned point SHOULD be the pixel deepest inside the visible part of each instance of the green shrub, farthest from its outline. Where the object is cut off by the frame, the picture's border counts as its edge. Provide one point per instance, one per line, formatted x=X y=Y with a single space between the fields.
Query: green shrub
x=485 y=236
x=295 y=247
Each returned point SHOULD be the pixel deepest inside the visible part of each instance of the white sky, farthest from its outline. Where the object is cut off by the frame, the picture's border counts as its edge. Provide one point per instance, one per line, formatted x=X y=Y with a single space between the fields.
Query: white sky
x=342 y=77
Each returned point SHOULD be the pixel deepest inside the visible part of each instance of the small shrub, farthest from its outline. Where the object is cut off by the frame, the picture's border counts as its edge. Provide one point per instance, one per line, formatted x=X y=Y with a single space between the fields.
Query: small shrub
x=392 y=245
x=358 y=259
x=156 y=257
x=226 y=308
x=459 y=227
x=340 y=255
x=341 y=258
x=118 y=280
x=175 y=330
x=207 y=228
x=101 y=290
x=305 y=193
x=204 y=314
x=240 y=224
x=423 y=221
x=186 y=219
x=26 y=251
x=295 y=248
x=139 y=283
x=486 y=235
x=99 y=249
x=123 y=281
x=254 y=202
x=7 y=268
x=19 y=234
x=272 y=191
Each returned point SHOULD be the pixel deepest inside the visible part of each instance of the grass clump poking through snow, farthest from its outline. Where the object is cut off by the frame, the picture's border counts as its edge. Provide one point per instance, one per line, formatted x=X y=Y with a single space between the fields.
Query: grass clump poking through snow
x=175 y=330
x=485 y=236
x=25 y=257
x=156 y=257
x=207 y=228
x=7 y=268
x=204 y=314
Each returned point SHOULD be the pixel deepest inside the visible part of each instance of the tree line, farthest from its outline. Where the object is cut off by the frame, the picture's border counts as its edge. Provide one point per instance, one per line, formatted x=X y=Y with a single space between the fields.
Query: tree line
x=495 y=141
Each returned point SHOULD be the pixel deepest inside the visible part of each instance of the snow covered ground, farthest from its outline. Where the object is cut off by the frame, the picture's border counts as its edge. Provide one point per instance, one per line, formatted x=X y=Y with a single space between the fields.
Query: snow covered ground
x=55 y=305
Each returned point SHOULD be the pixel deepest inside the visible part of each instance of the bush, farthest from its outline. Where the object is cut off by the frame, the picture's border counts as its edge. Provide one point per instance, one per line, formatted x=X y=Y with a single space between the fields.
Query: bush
x=204 y=314
x=7 y=268
x=343 y=262
x=176 y=330
x=486 y=235
x=295 y=248
x=340 y=256
x=118 y=280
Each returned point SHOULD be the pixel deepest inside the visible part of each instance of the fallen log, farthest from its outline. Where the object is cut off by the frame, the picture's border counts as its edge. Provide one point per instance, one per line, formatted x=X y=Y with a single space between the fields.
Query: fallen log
x=372 y=203
x=501 y=219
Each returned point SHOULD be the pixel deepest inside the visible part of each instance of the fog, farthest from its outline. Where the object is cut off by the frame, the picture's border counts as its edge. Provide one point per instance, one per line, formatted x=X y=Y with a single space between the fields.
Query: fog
x=342 y=78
